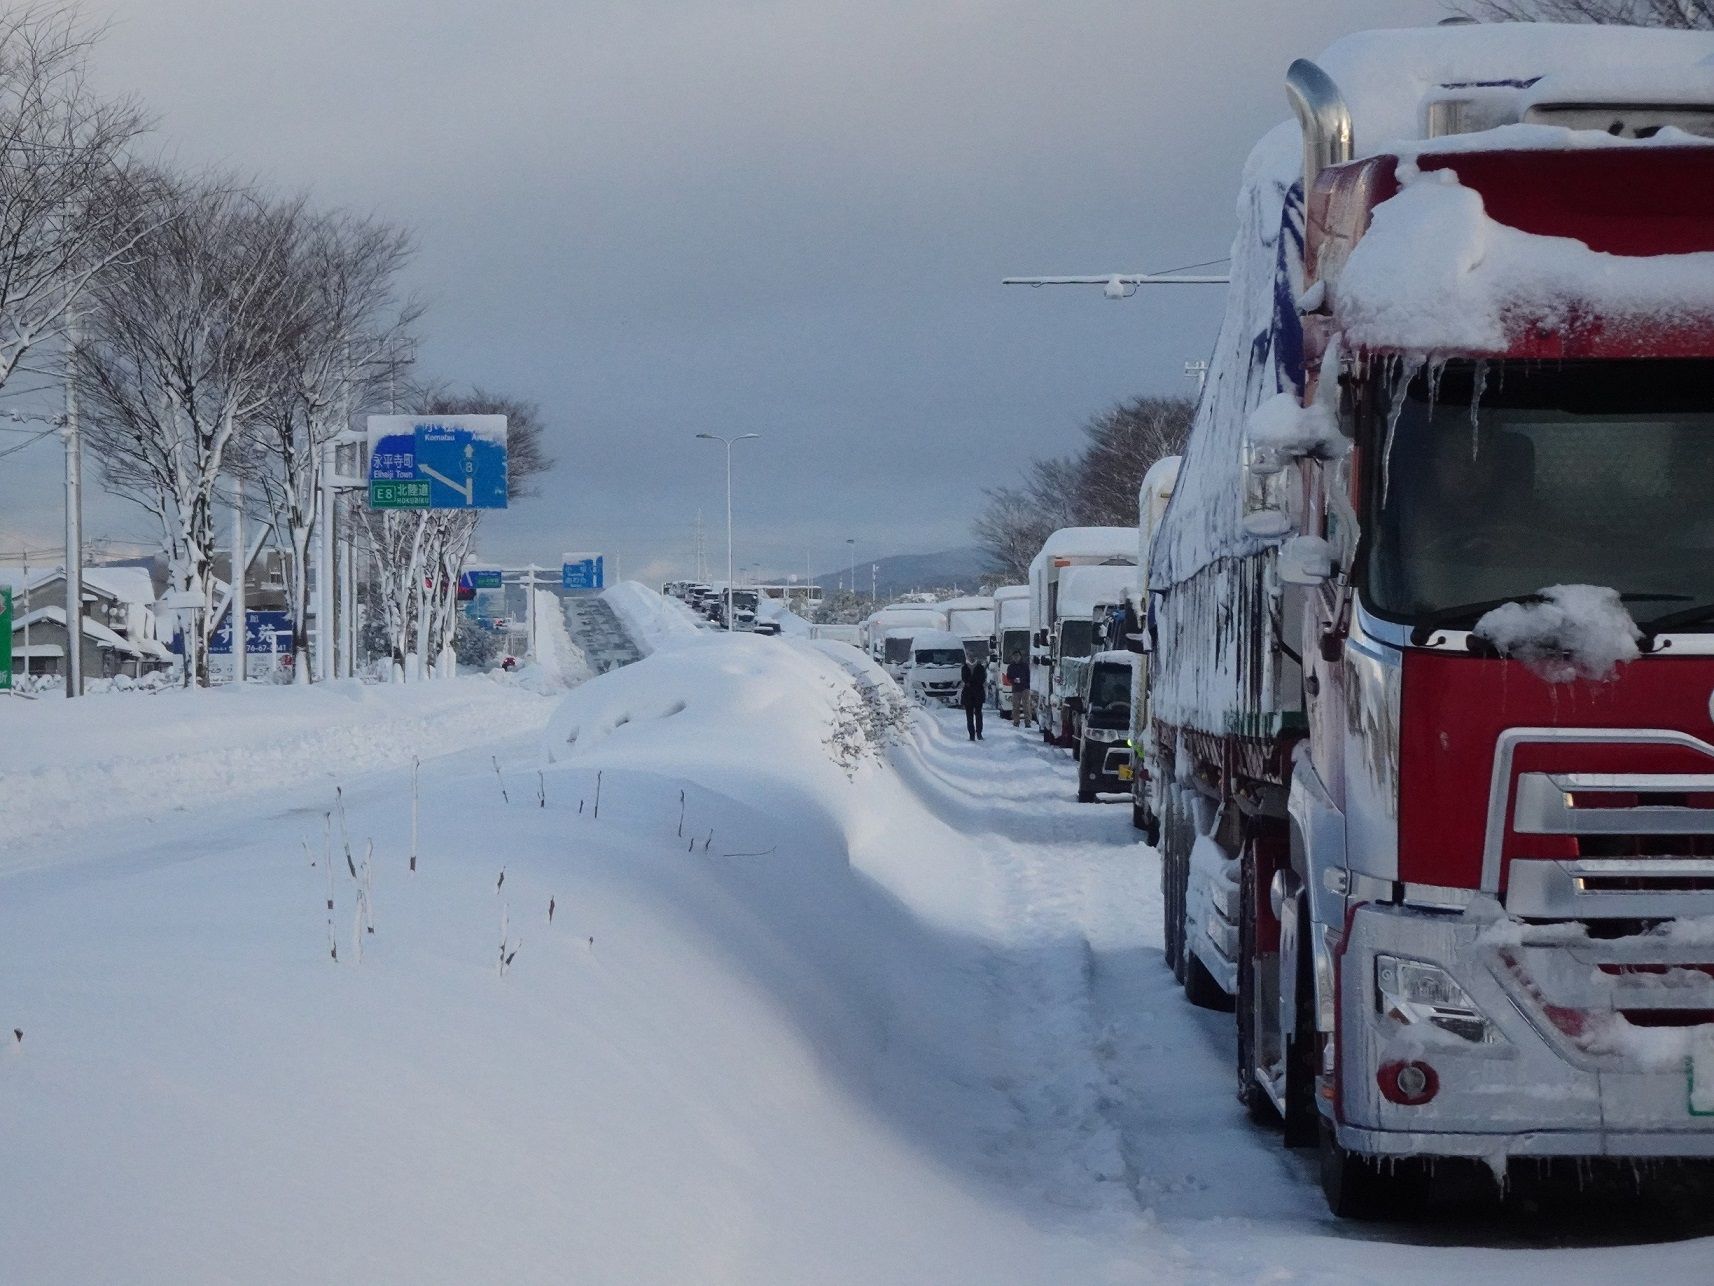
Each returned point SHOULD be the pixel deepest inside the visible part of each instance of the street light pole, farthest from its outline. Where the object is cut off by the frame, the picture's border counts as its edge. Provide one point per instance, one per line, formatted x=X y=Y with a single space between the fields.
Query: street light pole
x=851 y=584
x=73 y=524
x=715 y=437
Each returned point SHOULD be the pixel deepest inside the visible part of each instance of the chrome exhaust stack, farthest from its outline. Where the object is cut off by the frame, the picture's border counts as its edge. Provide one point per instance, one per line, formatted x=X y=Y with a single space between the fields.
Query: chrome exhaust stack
x=1323 y=116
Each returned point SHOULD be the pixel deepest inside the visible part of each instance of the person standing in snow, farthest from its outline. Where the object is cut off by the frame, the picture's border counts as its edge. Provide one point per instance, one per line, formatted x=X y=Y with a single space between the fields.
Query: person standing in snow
x=1018 y=675
x=972 y=693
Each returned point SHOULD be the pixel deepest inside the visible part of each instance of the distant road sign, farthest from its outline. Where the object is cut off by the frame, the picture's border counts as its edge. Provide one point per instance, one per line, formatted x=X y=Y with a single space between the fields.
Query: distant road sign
x=584 y=571
x=437 y=462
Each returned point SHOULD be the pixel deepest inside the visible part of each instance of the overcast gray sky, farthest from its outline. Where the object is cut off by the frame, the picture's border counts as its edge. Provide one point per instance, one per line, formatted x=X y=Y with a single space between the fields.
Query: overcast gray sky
x=789 y=217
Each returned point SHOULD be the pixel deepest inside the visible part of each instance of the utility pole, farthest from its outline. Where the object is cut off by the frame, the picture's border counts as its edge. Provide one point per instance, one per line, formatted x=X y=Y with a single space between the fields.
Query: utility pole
x=530 y=609
x=240 y=572
x=874 y=572
x=851 y=584
x=327 y=562
x=1197 y=371
x=73 y=522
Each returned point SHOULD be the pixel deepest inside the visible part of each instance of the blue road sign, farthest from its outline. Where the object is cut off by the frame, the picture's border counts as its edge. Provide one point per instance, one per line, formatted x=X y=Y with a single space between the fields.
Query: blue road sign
x=437 y=462
x=584 y=571
x=264 y=632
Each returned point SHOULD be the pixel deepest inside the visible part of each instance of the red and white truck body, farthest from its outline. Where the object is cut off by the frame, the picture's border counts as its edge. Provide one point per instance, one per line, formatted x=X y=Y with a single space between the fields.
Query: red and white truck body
x=1432 y=680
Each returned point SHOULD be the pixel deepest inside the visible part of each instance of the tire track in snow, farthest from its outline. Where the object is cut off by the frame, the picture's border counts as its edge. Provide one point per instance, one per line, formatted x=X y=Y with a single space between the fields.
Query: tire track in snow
x=1040 y=860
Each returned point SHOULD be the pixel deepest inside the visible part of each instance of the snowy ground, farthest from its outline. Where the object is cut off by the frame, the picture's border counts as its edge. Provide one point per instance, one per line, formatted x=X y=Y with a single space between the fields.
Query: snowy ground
x=841 y=1011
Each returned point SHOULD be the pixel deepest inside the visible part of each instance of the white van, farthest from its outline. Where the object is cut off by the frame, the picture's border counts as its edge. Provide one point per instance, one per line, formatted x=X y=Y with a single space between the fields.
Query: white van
x=937 y=661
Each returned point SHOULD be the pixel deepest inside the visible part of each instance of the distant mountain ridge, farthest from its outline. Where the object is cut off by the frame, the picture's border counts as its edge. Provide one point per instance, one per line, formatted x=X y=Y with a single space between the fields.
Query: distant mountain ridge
x=959 y=570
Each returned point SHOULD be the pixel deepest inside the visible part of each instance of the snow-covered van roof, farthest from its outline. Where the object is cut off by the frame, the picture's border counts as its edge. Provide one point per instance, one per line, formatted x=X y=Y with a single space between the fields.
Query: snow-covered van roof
x=1087 y=543
x=1083 y=589
x=1394 y=82
x=938 y=639
x=906 y=614
x=1007 y=593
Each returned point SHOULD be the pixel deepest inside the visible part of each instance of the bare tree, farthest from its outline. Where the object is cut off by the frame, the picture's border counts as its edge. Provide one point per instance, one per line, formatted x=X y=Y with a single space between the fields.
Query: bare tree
x=1123 y=442
x=67 y=212
x=1095 y=488
x=180 y=352
x=342 y=275
x=1696 y=15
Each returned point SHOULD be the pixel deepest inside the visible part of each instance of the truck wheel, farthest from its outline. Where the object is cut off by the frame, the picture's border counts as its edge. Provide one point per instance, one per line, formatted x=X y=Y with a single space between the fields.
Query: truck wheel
x=1085 y=782
x=1172 y=906
x=1200 y=989
x=1257 y=1105
x=1303 y=1049
x=1367 y=1189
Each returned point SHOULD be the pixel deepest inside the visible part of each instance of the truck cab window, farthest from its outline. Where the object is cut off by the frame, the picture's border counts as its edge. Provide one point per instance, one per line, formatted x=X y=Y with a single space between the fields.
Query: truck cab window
x=1568 y=473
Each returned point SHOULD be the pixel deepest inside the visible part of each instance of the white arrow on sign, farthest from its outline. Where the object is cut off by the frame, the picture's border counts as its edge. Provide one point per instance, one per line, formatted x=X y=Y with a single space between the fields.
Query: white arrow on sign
x=467 y=488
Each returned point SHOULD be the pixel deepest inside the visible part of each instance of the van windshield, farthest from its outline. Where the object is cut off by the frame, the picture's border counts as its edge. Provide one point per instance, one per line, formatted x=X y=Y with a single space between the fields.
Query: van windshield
x=1592 y=473
x=940 y=656
x=1110 y=685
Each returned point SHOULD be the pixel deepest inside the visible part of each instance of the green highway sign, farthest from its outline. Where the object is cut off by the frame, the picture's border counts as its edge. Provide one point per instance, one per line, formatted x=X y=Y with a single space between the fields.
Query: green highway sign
x=398 y=495
x=5 y=639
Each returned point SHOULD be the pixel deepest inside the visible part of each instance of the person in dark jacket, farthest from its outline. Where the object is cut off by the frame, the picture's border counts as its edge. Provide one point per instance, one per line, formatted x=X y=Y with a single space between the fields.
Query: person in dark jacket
x=972 y=693
x=1018 y=675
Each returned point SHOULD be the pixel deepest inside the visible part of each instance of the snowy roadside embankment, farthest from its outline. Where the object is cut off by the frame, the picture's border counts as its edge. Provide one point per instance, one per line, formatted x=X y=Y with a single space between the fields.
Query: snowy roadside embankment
x=124 y=757
x=652 y=620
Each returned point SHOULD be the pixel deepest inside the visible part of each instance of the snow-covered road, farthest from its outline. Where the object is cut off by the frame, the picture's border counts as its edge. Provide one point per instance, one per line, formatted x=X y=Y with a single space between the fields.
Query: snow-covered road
x=820 y=1000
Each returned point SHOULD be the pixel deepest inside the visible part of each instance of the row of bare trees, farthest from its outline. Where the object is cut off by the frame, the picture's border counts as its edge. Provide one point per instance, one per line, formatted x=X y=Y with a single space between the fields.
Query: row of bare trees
x=217 y=335
x=1692 y=15
x=1095 y=486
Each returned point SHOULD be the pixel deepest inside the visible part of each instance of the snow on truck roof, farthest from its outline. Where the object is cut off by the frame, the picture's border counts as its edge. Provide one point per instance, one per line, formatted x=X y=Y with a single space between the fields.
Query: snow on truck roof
x=923 y=640
x=972 y=603
x=1083 y=589
x=1388 y=79
x=1088 y=542
x=1008 y=592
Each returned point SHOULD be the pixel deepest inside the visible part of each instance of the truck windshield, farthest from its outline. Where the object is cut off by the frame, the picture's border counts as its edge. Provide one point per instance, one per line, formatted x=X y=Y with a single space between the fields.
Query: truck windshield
x=940 y=656
x=898 y=651
x=1015 y=646
x=1074 y=637
x=1592 y=473
x=976 y=650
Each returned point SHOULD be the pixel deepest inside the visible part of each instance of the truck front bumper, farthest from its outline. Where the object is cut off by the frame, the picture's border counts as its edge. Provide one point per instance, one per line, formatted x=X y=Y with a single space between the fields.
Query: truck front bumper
x=1588 y=1047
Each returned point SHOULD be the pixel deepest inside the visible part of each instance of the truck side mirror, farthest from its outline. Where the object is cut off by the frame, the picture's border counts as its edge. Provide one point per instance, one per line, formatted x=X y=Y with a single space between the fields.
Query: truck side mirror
x=1041 y=638
x=1305 y=560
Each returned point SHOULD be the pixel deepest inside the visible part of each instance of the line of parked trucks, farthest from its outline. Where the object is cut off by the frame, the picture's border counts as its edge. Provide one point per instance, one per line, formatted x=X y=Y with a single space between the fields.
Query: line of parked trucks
x=1408 y=663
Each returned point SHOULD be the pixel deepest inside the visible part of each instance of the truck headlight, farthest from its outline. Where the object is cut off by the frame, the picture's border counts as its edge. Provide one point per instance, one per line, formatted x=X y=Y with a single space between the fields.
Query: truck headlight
x=1414 y=991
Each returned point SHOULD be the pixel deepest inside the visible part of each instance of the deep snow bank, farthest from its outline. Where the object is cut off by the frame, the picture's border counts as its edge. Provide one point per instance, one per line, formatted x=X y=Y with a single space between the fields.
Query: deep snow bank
x=123 y=757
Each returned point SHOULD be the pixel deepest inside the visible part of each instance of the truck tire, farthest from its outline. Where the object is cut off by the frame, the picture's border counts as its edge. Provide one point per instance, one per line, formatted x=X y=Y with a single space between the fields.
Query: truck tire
x=1303 y=1048
x=1257 y=1105
x=1200 y=989
x=1085 y=781
x=1173 y=850
x=1358 y=1187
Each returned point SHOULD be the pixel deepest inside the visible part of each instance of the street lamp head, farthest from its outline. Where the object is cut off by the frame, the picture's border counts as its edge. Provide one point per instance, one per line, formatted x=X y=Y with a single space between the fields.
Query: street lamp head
x=743 y=436
x=709 y=436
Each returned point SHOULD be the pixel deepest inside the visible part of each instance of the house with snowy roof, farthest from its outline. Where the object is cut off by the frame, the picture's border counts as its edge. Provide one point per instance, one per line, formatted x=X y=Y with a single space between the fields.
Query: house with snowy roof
x=119 y=632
